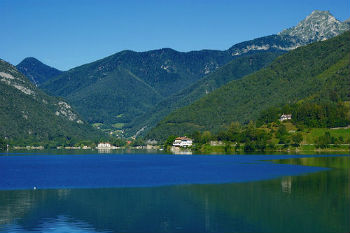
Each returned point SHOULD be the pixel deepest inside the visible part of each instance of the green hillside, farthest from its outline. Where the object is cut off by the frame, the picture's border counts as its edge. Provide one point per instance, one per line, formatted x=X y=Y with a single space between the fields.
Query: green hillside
x=312 y=71
x=118 y=93
x=29 y=115
x=130 y=83
x=237 y=68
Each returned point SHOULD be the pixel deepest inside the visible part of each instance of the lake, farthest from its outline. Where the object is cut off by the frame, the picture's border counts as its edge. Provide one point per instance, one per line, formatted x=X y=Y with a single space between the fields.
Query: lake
x=42 y=192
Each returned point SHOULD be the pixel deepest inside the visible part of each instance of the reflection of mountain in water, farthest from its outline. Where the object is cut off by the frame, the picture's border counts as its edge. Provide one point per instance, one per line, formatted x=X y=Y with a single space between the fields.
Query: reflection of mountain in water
x=319 y=201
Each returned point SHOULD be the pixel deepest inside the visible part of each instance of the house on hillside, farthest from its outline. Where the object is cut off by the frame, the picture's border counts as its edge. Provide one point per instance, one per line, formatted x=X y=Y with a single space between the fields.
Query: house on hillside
x=182 y=142
x=285 y=117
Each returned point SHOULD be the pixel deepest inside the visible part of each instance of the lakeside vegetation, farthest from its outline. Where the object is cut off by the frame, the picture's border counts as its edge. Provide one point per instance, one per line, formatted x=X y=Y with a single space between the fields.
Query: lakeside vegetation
x=271 y=138
x=315 y=126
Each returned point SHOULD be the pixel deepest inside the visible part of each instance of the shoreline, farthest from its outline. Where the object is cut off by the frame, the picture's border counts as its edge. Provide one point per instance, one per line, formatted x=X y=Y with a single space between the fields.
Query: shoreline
x=181 y=151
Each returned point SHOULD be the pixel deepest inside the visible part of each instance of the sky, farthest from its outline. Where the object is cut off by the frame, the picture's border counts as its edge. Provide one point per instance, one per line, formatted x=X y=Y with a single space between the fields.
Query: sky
x=68 y=33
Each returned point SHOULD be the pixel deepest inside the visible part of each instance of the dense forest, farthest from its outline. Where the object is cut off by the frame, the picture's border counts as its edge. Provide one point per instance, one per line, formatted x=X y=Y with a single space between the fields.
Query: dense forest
x=310 y=114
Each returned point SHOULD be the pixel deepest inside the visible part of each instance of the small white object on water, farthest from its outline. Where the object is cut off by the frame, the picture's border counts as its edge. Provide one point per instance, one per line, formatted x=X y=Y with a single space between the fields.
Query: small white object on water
x=34 y=188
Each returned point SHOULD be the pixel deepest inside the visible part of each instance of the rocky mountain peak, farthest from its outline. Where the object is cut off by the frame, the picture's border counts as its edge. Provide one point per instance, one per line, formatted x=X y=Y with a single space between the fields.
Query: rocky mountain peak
x=319 y=25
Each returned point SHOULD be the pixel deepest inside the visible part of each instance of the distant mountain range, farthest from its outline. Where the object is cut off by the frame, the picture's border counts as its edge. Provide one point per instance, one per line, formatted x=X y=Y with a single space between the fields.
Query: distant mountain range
x=27 y=113
x=135 y=90
x=36 y=71
x=311 y=72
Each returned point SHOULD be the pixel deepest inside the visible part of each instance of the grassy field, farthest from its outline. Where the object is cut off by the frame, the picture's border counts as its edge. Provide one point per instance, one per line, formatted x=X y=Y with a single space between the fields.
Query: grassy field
x=312 y=134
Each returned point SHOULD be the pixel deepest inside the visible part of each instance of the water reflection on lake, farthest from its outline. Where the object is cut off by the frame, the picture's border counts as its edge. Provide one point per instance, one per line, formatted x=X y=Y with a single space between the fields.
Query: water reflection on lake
x=316 y=202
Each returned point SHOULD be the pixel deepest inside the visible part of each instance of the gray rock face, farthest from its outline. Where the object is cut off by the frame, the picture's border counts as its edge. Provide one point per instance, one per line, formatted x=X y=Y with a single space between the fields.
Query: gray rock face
x=318 y=26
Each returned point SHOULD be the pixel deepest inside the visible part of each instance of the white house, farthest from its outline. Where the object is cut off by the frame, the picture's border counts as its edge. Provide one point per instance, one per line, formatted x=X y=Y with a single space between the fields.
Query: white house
x=104 y=145
x=182 y=142
x=285 y=117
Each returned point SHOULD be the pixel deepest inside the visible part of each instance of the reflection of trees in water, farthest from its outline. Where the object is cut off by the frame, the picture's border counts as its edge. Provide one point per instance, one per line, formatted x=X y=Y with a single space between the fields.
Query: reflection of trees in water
x=14 y=204
x=19 y=204
x=286 y=184
x=321 y=198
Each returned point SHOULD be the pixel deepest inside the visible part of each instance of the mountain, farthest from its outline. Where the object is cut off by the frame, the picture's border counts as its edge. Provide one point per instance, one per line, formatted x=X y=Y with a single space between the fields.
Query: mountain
x=237 y=68
x=123 y=86
x=318 y=26
x=27 y=113
x=126 y=85
x=312 y=71
x=273 y=45
x=36 y=71
x=129 y=86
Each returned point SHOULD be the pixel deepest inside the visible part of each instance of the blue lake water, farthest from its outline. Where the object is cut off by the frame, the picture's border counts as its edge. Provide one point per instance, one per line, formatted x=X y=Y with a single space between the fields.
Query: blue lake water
x=174 y=193
x=133 y=170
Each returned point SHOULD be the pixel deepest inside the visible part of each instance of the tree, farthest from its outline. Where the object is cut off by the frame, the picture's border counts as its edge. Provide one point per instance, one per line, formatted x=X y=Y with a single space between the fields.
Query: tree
x=325 y=140
x=118 y=142
x=222 y=136
x=268 y=116
x=281 y=131
x=234 y=132
x=169 y=142
x=250 y=132
x=297 y=139
x=3 y=145
x=206 y=137
x=249 y=145
x=138 y=142
x=261 y=144
x=196 y=136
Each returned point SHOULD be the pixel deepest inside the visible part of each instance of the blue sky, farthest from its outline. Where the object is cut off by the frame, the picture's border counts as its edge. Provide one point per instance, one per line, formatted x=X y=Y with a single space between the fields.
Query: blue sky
x=68 y=33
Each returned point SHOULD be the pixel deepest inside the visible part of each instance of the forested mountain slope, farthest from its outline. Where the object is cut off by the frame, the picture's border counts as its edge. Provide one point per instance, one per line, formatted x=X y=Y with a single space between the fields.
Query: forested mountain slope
x=237 y=68
x=130 y=83
x=27 y=113
x=313 y=70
